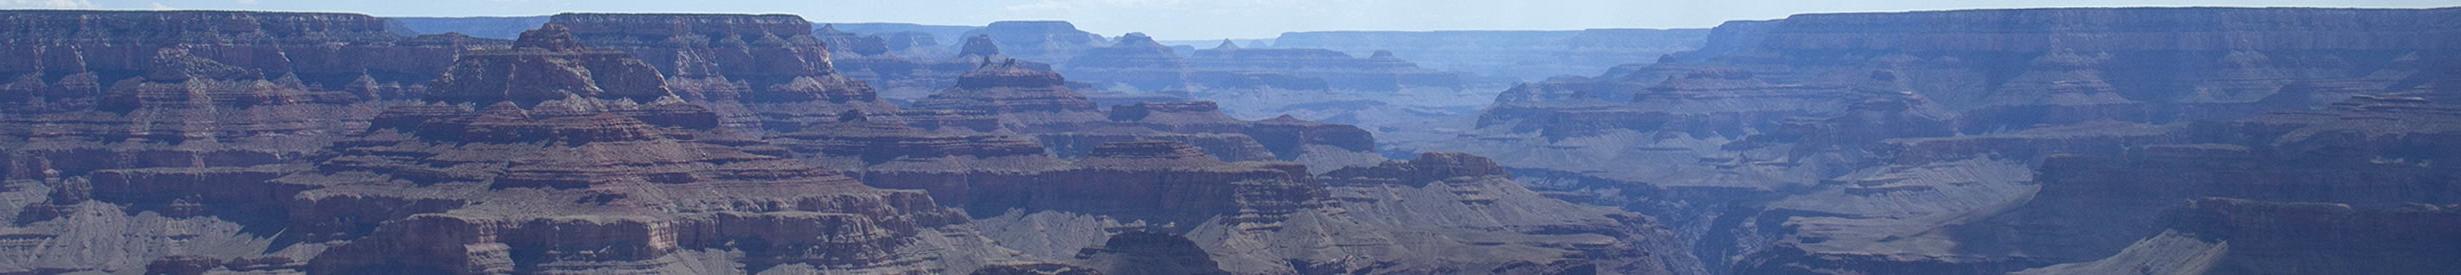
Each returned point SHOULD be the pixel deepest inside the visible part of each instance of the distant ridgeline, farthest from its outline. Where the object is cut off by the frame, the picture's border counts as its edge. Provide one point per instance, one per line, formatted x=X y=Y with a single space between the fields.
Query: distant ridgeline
x=1993 y=141
x=221 y=142
x=1343 y=61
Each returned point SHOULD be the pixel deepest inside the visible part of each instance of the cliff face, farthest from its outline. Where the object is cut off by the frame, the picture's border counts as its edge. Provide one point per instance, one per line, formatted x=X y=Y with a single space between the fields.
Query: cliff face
x=1136 y=61
x=485 y=27
x=1047 y=42
x=108 y=90
x=484 y=181
x=709 y=144
x=759 y=71
x=917 y=74
x=1262 y=217
x=1139 y=63
x=2235 y=236
x=1231 y=67
x=2311 y=156
x=1854 y=141
x=1514 y=55
x=1039 y=103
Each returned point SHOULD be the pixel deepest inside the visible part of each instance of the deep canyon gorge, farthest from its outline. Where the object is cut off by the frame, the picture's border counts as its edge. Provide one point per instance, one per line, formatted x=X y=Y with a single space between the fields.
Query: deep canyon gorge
x=2203 y=140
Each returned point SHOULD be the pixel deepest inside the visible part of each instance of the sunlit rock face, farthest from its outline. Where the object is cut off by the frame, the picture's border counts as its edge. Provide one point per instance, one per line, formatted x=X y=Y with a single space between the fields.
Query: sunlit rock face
x=1886 y=142
x=563 y=174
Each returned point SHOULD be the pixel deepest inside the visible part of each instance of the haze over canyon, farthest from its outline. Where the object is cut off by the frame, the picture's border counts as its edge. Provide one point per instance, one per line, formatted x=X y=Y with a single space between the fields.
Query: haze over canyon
x=2140 y=140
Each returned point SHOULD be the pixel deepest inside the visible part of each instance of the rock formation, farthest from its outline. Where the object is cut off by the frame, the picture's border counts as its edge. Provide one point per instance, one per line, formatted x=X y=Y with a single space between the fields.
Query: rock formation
x=912 y=76
x=1136 y=61
x=1039 y=103
x=1956 y=142
x=95 y=90
x=509 y=27
x=1512 y=55
x=1228 y=66
x=2236 y=236
x=596 y=182
x=757 y=71
x=1047 y=42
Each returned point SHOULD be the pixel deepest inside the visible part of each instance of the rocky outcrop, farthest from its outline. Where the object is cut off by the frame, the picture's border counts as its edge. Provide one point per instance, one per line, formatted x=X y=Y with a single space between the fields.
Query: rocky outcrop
x=144 y=138
x=912 y=76
x=1856 y=142
x=2291 y=156
x=1047 y=42
x=757 y=71
x=720 y=144
x=1513 y=55
x=1039 y=103
x=1135 y=61
x=2235 y=236
x=98 y=90
x=1150 y=253
x=1230 y=67
x=923 y=38
x=1029 y=97
x=509 y=27
x=1126 y=200
x=1138 y=63
x=1445 y=199
x=596 y=182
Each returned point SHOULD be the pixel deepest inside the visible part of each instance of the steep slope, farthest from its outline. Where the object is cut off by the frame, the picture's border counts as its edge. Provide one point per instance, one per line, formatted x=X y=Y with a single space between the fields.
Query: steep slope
x=2234 y=236
x=1846 y=143
x=758 y=71
x=564 y=176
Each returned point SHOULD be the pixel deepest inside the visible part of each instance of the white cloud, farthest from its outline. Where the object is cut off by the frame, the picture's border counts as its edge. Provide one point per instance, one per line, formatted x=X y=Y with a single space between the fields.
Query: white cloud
x=47 y=4
x=159 y=6
x=246 y=2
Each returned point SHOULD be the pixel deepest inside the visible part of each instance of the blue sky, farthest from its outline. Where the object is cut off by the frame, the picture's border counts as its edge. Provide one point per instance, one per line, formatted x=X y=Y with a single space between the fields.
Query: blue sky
x=1203 y=19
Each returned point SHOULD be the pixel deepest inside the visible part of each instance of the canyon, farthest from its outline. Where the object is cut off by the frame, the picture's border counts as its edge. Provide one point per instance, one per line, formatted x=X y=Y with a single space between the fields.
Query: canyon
x=713 y=144
x=1936 y=143
x=2013 y=141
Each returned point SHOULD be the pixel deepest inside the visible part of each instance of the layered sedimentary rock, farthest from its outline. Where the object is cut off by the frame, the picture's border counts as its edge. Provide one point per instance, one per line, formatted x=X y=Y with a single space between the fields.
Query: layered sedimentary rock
x=1515 y=55
x=1883 y=143
x=1139 y=63
x=1441 y=194
x=939 y=37
x=639 y=181
x=2236 y=236
x=1267 y=217
x=118 y=128
x=1135 y=61
x=719 y=144
x=908 y=76
x=2372 y=151
x=1040 y=103
x=485 y=27
x=1045 y=171
x=758 y=71
x=1047 y=42
x=94 y=90
x=1229 y=66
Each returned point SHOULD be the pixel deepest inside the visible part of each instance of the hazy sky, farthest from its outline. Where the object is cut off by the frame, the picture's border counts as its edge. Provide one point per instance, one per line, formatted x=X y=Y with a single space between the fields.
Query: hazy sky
x=1202 y=19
